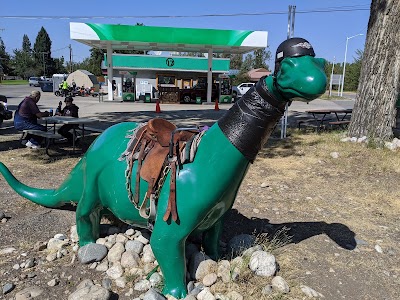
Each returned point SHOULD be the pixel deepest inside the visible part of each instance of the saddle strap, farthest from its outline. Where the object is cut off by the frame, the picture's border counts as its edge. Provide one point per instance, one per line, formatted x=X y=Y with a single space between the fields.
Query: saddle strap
x=140 y=160
x=145 y=212
x=171 y=209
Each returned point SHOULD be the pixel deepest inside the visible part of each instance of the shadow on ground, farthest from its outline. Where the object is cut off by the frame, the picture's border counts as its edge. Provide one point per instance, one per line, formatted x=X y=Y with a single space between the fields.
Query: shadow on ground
x=298 y=231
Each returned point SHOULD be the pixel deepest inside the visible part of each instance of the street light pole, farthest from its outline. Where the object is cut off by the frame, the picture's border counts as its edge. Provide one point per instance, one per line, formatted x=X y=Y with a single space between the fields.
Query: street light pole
x=345 y=57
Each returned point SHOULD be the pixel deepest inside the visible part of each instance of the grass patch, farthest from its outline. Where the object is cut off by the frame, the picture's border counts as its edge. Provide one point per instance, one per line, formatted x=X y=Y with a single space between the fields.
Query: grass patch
x=14 y=82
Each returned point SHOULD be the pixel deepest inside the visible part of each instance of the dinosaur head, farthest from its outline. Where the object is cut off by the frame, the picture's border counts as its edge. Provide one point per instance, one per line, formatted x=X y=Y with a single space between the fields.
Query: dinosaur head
x=298 y=74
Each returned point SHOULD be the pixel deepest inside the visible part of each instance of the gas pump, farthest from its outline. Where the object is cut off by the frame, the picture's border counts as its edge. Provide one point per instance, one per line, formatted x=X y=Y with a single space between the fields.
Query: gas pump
x=129 y=93
x=225 y=89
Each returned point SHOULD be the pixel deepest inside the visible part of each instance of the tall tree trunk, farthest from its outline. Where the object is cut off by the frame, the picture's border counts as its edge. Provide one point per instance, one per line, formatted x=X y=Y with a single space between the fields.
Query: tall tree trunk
x=374 y=112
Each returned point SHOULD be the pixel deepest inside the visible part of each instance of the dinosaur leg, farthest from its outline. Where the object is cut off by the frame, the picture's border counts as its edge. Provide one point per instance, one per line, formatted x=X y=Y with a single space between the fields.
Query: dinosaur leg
x=211 y=239
x=88 y=216
x=168 y=245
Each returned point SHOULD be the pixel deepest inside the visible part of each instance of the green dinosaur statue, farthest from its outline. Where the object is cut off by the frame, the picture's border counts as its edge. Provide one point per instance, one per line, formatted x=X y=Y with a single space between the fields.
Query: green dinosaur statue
x=206 y=188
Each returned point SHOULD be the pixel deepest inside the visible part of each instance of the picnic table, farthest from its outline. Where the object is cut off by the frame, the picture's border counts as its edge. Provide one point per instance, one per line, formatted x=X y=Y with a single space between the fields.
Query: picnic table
x=51 y=135
x=321 y=116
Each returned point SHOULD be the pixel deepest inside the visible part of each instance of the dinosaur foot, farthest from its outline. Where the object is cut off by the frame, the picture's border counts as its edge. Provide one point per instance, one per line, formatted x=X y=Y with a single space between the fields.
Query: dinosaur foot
x=177 y=292
x=91 y=253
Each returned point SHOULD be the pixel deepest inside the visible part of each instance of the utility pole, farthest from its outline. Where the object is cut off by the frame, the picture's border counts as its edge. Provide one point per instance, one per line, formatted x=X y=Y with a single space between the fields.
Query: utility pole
x=44 y=62
x=70 y=58
x=290 y=34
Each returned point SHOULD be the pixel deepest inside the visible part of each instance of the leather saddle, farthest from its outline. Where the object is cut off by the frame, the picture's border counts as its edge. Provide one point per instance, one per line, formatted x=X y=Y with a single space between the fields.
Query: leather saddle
x=159 y=144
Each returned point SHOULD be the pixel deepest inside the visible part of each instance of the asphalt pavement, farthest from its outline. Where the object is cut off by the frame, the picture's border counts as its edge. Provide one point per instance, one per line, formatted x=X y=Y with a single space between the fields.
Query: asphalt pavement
x=111 y=112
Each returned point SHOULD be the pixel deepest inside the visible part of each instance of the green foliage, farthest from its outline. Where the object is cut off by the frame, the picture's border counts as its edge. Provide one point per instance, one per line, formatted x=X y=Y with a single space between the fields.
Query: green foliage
x=5 y=60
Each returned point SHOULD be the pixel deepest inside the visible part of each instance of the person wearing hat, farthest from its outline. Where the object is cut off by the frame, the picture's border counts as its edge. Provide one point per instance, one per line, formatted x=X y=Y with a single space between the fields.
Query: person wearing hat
x=26 y=117
x=70 y=110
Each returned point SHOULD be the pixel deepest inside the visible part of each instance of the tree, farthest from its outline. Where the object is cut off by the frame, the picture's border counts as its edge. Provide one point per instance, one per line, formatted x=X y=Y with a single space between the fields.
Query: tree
x=260 y=58
x=23 y=60
x=42 y=54
x=5 y=60
x=374 y=112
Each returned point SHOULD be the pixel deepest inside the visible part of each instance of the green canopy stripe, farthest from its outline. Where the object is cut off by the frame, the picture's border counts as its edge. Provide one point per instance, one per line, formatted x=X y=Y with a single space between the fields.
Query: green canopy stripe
x=170 y=35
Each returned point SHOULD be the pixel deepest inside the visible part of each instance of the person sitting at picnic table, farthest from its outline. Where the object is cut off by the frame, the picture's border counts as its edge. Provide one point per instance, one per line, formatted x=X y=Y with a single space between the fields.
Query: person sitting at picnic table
x=26 y=117
x=70 y=110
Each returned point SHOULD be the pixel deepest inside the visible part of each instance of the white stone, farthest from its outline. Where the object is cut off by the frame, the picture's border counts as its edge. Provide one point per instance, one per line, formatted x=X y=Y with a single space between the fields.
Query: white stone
x=148 y=255
x=115 y=271
x=115 y=252
x=263 y=263
x=205 y=267
x=279 y=284
x=142 y=285
x=210 y=279
x=130 y=259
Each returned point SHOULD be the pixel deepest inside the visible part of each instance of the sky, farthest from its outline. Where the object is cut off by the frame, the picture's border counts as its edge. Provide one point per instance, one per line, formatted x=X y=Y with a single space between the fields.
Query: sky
x=326 y=31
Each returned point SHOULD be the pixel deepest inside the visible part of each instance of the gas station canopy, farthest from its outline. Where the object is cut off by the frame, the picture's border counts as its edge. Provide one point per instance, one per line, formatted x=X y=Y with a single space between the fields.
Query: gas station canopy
x=150 y=38
x=146 y=38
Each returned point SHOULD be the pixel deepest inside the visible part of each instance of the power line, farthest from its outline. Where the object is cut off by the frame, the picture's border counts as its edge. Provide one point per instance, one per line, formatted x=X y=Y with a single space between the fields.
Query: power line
x=321 y=10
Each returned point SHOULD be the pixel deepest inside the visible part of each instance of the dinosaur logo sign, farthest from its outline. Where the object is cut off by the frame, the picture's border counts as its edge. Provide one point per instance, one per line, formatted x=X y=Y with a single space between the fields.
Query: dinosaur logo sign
x=170 y=62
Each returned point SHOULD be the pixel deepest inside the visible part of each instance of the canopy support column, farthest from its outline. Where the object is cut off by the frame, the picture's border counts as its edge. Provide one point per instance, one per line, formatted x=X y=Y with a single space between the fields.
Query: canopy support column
x=209 y=76
x=110 y=72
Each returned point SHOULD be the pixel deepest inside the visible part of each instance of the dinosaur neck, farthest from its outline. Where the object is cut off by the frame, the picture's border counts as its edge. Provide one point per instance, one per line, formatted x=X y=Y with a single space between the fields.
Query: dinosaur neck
x=251 y=120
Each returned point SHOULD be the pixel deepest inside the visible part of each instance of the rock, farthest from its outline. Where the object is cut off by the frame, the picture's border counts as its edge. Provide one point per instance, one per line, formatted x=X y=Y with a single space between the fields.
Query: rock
x=378 y=249
x=29 y=293
x=92 y=252
x=115 y=253
x=8 y=287
x=103 y=266
x=115 y=271
x=224 y=270
x=120 y=282
x=56 y=244
x=7 y=250
x=205 y=295
x=142 y=285
x=53 y=282
x=190 y=297
x=130 y=259
x=267 y=290
x=240 y=243
x=310 y=292
x=279 y=284
x=134 y=246
x=93 y=292
x=155 y=280
x=210 y=279
x=153 y=295
x=263 y=263
x=106 y=283
x=205 y=267
x=194 y=263
x=73 y=233
x=148 y=255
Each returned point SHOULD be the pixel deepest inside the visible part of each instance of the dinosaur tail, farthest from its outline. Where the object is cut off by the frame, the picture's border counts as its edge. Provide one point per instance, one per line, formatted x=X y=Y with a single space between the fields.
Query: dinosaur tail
x=46 y=197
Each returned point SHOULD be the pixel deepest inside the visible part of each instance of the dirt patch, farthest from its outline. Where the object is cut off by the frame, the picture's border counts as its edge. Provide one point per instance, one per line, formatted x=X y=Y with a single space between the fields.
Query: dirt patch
x=338 y=212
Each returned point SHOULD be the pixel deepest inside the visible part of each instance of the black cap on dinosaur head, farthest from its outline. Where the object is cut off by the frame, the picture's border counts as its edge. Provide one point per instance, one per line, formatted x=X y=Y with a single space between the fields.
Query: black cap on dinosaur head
x=293 y=47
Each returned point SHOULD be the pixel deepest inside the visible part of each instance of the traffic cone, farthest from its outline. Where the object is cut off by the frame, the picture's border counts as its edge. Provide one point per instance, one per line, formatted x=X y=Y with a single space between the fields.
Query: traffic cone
x=216 y=105
x=158 y=109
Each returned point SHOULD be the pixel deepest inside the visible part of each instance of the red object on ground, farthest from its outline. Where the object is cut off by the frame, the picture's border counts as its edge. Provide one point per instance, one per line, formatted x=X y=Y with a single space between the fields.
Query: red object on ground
x=158 y=109
x=216 y=105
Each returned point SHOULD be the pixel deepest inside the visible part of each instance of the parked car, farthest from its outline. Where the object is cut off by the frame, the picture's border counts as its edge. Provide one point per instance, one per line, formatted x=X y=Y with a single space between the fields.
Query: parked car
x=241 y=89
x=199 y=90
x=34 y=81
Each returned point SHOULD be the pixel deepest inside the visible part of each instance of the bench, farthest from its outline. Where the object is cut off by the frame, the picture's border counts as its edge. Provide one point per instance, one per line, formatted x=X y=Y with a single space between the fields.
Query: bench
x=93 y=129
x=48 y=135
x=342 y=124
